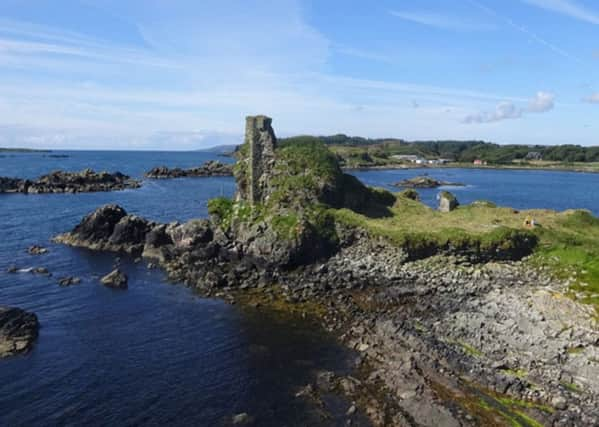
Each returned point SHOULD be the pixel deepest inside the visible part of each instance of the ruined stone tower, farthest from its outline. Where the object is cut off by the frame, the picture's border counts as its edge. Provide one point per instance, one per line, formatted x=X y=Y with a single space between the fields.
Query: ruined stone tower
x=262 y=142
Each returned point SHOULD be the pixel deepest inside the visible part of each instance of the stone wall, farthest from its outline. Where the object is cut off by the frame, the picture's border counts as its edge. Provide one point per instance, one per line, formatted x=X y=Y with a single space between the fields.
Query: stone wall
x=262 y=142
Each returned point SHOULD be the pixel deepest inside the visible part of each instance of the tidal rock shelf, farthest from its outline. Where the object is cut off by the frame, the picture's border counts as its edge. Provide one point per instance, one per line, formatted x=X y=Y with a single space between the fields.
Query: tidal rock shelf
x=209 y=168
x=451 y=330
x=69 y=182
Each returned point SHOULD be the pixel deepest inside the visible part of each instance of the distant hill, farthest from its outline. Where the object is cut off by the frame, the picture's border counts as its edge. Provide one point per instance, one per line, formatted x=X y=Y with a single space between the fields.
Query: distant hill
x=23 y=150
x=220 y=149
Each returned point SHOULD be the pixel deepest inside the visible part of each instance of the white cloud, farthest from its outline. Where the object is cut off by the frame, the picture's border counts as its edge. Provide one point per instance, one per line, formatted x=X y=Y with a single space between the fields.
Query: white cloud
x=541 y=103
x=592 y=98
x=567 y=7
x=503 y=111
x=439 y=21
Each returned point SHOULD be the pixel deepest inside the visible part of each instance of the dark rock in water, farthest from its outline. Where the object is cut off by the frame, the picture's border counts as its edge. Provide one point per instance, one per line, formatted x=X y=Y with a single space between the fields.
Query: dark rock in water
x=209 y=168
x=109 y=228
x=40 y=270
x=242 y=419
x=18 y=330
x=13 y=185
x=115 y=279
x=100 y=224
x=69 y=281
x=447 y=202
x=69 y=182
x=424 y=182
x=37 y=250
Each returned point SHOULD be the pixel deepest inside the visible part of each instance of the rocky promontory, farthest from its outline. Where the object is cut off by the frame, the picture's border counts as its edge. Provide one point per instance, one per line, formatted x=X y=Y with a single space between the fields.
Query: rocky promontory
x=455 y=320
x=209 y=168
x=69 y=182
x=425 y=182
x=18 y=331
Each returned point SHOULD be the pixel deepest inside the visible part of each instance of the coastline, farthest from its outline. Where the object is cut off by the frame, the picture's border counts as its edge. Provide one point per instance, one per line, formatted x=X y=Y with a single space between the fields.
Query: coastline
x=456 y=318
x=563 y=168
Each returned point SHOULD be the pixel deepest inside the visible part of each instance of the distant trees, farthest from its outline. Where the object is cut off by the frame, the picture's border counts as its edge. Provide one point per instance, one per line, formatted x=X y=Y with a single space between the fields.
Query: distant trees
x=459 y=151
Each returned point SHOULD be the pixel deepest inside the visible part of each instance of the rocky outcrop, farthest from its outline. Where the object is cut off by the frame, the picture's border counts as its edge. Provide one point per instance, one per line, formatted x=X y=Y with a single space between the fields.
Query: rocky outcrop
x=424 y=182
x=109 y=228
x=69 y=182
x=209 y=168
x=13 y=185
x=18 y=331
x=453 y=340
x=447 y=201
x=116 y=279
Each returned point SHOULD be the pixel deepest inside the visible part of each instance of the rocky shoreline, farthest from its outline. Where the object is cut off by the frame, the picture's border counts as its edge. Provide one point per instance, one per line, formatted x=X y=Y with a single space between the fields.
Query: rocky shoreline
x=440 y=323
x=446 y=335
x=209 y=168
x=69 y=182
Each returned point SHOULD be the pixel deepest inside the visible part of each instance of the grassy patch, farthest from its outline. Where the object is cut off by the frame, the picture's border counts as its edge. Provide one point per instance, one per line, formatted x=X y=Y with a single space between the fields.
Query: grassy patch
x=516 y=373
x=423 y=231
x=574 y=388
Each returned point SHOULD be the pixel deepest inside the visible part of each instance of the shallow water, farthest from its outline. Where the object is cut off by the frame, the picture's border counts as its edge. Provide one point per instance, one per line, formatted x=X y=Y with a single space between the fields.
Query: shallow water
x=158 y=354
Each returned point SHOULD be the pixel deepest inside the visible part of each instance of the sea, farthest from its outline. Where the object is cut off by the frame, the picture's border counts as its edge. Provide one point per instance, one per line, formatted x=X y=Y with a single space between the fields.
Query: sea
x=158 y=354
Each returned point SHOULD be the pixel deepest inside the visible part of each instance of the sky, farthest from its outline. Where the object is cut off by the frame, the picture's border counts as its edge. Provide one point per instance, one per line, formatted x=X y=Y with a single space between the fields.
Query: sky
x=183 y=74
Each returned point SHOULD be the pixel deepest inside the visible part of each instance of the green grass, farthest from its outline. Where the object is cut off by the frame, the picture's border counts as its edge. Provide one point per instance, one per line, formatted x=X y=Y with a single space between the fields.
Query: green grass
x=564 y=242
x=516 y=373
x=574 y=388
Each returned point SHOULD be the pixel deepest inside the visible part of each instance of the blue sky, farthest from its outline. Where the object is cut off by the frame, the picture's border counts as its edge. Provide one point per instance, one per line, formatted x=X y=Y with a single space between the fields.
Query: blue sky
x=182 y=74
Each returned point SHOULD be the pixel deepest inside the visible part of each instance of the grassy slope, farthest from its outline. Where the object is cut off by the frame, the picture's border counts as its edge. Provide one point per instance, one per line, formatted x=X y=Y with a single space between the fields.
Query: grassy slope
x=567 y=240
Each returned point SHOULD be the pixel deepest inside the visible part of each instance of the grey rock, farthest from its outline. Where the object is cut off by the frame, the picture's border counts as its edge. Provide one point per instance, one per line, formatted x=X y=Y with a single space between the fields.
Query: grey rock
x=115 y=279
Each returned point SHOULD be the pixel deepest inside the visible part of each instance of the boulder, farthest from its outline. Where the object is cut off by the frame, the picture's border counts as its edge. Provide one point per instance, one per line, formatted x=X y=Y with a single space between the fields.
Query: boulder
x=115 y=279
x=447 y=201
x=191 y=233
x=18 y=330
x=131 y=230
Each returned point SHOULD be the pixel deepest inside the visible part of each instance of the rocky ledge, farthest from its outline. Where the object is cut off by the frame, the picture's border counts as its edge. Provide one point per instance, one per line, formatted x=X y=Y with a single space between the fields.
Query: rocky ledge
x=209 y=168
x=69 y=182
x=424 y=182
x=18 y=331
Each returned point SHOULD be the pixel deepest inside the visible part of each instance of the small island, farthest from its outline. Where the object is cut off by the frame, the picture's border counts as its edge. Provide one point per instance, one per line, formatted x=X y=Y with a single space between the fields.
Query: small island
x=69 y=182
x=209 y=168
x=461 y=313
x=425 y=182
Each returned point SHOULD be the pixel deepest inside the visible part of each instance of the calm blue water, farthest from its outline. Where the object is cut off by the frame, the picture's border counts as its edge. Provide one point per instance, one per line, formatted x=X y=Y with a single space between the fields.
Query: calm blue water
x=157 y=354
x=520 y=189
